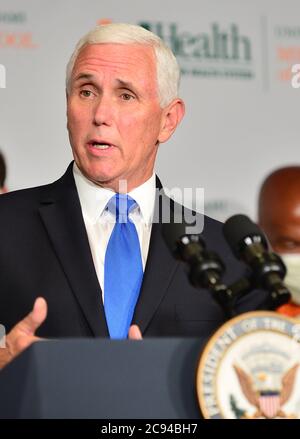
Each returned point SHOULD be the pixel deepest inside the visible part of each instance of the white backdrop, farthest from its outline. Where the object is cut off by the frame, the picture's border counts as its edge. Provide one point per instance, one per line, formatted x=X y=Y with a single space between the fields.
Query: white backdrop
x=242 y=116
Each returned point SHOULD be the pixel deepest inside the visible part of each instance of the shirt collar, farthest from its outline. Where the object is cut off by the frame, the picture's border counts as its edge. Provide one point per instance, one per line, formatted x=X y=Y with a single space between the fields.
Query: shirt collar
x=93 y=198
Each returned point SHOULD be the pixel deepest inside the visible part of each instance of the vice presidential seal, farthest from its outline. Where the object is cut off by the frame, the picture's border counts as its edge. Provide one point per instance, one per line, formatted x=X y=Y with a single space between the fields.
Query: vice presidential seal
x=250 y=369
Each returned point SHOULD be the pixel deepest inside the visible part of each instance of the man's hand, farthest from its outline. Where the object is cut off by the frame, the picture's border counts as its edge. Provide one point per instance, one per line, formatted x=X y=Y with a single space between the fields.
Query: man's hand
x=134 y=333
x=22 y=335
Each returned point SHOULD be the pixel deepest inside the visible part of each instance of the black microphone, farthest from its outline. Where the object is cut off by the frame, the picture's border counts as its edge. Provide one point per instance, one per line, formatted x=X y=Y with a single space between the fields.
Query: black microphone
x=205 y=267
x=249 y=243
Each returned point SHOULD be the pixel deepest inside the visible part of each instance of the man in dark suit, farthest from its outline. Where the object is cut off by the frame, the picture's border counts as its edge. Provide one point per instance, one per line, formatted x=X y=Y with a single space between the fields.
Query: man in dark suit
x=122 y=102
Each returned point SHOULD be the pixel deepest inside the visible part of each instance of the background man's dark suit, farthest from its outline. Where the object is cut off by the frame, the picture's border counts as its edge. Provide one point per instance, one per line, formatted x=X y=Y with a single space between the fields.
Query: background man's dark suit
x=45 y=252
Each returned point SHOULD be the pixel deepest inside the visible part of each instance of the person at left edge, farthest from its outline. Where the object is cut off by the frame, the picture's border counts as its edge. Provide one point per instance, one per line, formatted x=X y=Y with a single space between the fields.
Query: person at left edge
x=3 y=187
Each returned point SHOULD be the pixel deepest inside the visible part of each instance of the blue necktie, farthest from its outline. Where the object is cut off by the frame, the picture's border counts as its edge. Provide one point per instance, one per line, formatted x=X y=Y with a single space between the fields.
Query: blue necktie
x=123 y=269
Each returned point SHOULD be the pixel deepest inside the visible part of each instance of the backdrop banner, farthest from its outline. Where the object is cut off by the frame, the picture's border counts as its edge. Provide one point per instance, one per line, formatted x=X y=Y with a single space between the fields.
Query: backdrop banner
x=242 y=96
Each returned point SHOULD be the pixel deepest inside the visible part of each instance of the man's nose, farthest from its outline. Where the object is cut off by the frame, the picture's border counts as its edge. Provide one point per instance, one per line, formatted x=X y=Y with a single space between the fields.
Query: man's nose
x=103 y=111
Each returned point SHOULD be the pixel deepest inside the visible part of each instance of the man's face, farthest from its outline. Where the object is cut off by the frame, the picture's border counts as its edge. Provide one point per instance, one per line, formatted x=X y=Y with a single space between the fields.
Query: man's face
x=281 y=223
x=114 y=118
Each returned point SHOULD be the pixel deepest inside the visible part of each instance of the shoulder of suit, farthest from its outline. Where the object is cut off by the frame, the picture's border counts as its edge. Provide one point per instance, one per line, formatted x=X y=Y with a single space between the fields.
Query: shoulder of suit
x=37 y=193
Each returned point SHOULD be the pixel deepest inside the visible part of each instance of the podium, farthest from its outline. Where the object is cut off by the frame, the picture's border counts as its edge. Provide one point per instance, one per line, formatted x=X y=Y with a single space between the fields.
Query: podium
x=103 y=379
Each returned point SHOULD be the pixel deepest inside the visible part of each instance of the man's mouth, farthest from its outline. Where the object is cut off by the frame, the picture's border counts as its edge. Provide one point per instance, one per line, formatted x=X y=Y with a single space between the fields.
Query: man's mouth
x=100 y=145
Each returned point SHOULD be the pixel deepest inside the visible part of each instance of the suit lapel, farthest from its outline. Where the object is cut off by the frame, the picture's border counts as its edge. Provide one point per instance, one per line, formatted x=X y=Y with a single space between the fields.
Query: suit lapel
x=61 y=214
x=160 y=269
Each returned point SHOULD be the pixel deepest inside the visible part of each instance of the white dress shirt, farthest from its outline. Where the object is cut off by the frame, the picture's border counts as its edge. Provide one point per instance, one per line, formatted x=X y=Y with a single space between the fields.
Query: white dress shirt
x=99 y=222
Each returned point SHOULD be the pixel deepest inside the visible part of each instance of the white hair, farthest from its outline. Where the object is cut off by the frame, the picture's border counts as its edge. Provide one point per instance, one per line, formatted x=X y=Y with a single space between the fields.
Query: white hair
x=167 y=69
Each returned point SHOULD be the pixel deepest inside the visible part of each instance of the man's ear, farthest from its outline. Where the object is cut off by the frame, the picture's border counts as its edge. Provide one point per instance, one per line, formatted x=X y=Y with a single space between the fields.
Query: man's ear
x=171 y=118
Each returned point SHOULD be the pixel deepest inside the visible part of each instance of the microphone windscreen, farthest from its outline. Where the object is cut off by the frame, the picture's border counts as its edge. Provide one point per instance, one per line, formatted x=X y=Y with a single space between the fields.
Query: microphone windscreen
x=239 y=227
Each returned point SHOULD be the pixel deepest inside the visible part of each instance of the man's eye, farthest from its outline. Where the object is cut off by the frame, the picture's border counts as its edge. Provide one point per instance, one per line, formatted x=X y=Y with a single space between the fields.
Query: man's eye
x=126 y=96
x=86 y=93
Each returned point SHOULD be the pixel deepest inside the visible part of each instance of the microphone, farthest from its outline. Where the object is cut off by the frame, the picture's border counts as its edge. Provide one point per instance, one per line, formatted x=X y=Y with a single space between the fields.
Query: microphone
x=249 y=243
x=205 y=267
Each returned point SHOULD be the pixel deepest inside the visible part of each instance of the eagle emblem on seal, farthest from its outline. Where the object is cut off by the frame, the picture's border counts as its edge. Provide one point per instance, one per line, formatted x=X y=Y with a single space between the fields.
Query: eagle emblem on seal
x=268 y=402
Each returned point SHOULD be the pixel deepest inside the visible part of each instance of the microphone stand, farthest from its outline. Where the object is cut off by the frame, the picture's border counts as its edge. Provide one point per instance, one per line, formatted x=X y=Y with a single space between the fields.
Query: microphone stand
x=206 y=270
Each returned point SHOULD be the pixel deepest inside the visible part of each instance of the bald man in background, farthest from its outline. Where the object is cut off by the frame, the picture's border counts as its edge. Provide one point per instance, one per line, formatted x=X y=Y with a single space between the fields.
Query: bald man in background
x=279 y=217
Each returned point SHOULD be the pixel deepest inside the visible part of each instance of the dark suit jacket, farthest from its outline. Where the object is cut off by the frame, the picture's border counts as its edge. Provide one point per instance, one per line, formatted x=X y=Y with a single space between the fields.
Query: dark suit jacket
x=44 y=251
